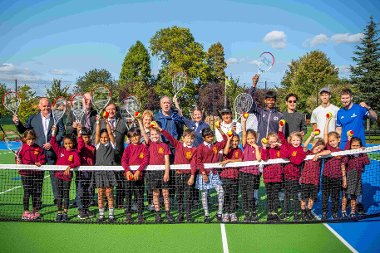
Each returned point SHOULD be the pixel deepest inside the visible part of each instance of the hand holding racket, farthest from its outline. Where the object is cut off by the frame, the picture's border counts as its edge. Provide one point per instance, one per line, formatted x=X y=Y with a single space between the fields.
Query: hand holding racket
x=179 y=82
x=242 y=104
x=101 y=97
x=58 y=109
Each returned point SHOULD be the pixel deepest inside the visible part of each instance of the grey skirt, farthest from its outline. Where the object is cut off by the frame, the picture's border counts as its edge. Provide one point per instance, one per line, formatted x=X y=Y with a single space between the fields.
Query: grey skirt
x=104 y=179
x=354 y=182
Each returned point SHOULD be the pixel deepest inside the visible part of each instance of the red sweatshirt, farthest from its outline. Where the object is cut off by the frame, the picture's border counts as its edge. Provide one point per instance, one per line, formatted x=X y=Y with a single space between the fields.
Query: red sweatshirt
x=210 y=154
x=232 y=173
x=86 y=152
x=183 y=155
x=157 y=152
x=135 y=155
x=64 y=157
x=272 y=173
x=296 y=156
x=249 y=154
x=311 y=171
x=31 y=155
x=332 y=167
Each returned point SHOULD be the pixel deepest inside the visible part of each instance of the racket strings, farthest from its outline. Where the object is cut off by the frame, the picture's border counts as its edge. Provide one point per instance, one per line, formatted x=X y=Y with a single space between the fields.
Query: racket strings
x=11 y=101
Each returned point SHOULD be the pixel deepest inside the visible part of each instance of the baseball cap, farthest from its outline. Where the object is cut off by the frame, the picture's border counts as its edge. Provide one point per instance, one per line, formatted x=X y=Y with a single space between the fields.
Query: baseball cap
x=225 y=110
x=324 y=89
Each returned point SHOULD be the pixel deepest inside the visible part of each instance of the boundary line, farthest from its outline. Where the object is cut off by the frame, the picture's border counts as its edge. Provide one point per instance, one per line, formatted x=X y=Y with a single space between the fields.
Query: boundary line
x=224 y=238
x=340 y=238
x=16 y=187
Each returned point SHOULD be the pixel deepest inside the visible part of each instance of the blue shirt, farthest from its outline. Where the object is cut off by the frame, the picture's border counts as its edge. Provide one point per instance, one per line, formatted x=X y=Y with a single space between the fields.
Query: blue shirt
x=197 y=130
x=352 y=119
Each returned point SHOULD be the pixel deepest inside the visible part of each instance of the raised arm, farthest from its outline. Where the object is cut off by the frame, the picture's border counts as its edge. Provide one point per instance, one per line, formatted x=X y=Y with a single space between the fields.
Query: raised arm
x=226 y=148
x=243 y=131
x=142 y=130
x=308 y=140
x=252 y=90
x=97 y=130
x=371 y=113
x=110 y=134
x=326 y=130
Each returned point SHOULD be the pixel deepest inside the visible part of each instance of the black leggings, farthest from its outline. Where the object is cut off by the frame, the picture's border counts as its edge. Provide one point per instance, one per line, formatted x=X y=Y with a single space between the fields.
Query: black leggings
x=32 y=185
x=291 y=196
x=63 y=191
x=248 y=183
x=230 y=187
x=184 y=193
x=331 y=187
x=135 y=188
x=272 y=196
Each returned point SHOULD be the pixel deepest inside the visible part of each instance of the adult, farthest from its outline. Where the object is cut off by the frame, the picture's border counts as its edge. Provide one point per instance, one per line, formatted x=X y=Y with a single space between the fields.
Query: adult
x=41 y=123
x=227 y=124
x=268 y=118
x=352 y=117
x=147 y=118
x=119 y=130
x=88 y=120
x=295 y=121
x=318 y=116
x=196 y=122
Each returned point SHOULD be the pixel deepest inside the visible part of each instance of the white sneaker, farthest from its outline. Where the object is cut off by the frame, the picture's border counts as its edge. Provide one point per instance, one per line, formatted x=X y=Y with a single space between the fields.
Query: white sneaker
x=233 y=217
x=226 y=218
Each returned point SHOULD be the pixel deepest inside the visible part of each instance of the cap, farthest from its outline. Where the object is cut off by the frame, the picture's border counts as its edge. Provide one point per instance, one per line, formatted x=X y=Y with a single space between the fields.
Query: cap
x=324 y=89
x=225 y=110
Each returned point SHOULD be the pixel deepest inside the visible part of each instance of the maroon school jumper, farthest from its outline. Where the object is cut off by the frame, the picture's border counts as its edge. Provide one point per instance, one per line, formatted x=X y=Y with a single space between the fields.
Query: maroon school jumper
x=232 y=173
x=356 y=161
x=135 y=155
x=183 y=155
x=272 y=173
x=209 y=155
x=157 y=152
x=31 y=155
x=64 y=157
x=311 y=171
x=296 y=156
x=86 y=152
x=332 y=167
x=249 y=154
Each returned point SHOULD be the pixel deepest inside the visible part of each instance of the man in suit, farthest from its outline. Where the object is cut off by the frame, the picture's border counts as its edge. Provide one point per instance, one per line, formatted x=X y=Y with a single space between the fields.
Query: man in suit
x=41 y=123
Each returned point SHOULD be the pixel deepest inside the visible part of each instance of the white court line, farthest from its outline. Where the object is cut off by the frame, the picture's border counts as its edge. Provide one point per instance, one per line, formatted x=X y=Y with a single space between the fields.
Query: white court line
x=340 y=238
x=224 y=238
x=14 y=188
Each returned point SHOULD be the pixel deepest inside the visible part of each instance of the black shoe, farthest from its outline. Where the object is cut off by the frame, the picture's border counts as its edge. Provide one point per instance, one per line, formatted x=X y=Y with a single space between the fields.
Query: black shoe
x=207 y=219
x=140 y=218
x=128 y=218
x=219 y=218
x=100 y=219
x=180 y=218
x=247 y=217
x=353 y=216
x=284 y=216
x=304 y=215
x=73 y=205
x=310 y=215
x=296 y=217
x=82 y=215
x=169 y=217
x=324 y=216
x=158 y=217
x=58 y=218
x=275 y=217
x=89 y=214
x=360 y=209
x=111 y=219
x=344 y=215
x=254 y=217
x=269 y=217
x=189 y=217
x=65 y=217
x=335 y=216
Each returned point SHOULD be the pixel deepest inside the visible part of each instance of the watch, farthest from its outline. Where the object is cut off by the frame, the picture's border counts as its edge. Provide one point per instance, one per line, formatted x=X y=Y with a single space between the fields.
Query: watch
x=369 y=108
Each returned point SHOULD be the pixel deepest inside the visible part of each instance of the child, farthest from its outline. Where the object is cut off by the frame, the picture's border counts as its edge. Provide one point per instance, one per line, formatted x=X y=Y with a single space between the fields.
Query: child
x=66 y=155
x=105 y=180
x=292 y=150
x=83 y=178
x=249 y=176
x=310 y=175
x=158 y=179
x=333 y=178
x=184 y=179
x=208 y=152
x=272 y=174
x=31 y=153
x=229 y=176
x=135 y=153
x=355 y=168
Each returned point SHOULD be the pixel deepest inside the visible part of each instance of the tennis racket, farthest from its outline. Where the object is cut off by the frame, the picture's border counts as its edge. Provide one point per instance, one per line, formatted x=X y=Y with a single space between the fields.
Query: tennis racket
x=11 y=101
x=179 y=82
x=77 y=106
x=101 y=97
x=242 y=103
x=265 y=62
x=58 y=109
x=12 y=140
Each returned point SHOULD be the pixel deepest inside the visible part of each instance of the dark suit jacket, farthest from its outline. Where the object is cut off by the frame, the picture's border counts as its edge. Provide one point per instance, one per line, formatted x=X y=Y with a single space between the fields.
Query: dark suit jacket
x=70 y=119
x=35 y=122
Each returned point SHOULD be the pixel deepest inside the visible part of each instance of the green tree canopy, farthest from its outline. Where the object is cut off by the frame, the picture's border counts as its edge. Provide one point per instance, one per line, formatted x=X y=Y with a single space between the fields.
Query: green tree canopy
x=29 y=102
x=57 y=90
x=216 y=63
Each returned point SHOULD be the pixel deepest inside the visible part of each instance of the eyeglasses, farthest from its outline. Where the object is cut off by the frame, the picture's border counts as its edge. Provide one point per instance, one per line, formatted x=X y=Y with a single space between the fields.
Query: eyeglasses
x=292 y=101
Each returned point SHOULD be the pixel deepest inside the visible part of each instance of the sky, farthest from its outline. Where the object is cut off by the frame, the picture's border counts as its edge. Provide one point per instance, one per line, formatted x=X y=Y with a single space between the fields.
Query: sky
x=41 y=40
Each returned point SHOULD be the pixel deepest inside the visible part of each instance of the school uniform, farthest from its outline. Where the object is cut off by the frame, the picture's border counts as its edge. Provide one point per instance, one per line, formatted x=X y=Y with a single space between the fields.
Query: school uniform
x=157 y=152
x=309 y=179
x=105 y=156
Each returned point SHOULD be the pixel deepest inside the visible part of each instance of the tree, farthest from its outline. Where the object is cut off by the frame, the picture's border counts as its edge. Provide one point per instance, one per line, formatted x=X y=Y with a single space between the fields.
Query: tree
x=178 y=51
x=29 y=102
x=3 y=90
x=57 y=90
x=366 y=74
x=216 y=63
x=305 y=77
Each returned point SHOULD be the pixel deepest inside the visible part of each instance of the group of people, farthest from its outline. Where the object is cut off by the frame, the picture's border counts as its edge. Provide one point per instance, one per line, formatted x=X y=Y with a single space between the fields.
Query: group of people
x=170 y=138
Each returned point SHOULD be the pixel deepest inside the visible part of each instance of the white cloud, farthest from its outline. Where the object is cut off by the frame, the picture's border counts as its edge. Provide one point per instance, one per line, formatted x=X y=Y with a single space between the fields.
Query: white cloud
x=8 y=71
x=254 y=62
x=347 y=38
x=277 y=39
x=344 y=69
x=59 y=72
x=316 y=40
x=231 y=61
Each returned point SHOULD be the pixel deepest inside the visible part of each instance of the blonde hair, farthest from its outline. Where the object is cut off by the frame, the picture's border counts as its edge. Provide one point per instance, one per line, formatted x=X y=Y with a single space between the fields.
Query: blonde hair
x=333 y=133
x=295 y=134
x=148 y=113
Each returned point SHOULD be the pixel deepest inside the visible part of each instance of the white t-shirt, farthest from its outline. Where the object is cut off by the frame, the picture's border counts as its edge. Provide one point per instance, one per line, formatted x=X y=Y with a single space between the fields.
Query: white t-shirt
x=319 y=117
x=225 y=128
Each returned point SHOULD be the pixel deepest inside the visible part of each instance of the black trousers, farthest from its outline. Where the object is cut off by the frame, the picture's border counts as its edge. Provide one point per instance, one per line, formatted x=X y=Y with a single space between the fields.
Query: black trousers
x=63 y=193
x=32 y=185
x=120 y=188
x=83 y=190
x=183 y=193
x=331 y=187
x=292 y=189
x=272 y=196
x=231 y=192
x=134 y=188
x=248 y=183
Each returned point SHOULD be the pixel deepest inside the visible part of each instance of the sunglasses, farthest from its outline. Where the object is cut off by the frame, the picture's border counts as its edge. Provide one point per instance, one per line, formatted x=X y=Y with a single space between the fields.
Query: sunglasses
x=292 y=101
